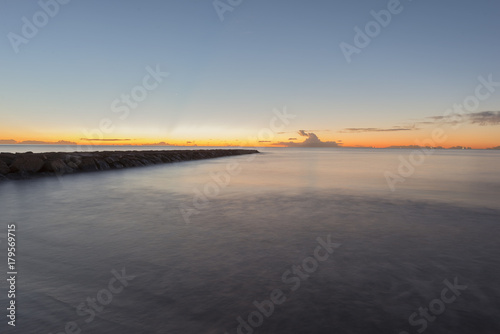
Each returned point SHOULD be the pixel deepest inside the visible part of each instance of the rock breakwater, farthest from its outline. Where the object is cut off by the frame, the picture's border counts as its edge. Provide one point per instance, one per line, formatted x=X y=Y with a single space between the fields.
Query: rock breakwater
x=16 y=166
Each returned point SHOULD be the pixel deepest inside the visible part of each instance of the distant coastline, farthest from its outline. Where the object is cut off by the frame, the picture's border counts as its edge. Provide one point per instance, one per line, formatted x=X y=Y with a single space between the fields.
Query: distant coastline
x=85 y=148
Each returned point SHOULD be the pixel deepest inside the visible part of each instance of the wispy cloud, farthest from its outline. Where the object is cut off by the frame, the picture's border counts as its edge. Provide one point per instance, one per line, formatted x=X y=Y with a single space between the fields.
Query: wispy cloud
x=485 y=118
x=482 y=118
x=393 y=129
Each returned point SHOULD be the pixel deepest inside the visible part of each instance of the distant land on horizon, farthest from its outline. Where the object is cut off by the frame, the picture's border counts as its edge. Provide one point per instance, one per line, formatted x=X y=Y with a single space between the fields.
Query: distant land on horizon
x=69 y=143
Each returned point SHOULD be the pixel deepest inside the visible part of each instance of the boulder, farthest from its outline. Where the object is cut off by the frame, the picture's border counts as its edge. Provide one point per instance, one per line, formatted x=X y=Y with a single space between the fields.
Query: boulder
x=8 y=158
x=146 y=162
x=76 y=159
x=128 y=162
x=56 y=166
x=118 y=165
x=67 y=158
x=110 y=160
x=136 y=163
x=27 y=163
x=101 y=164
x=72 y=165
x=4 y=168
x=155 y=159
x=88 y=164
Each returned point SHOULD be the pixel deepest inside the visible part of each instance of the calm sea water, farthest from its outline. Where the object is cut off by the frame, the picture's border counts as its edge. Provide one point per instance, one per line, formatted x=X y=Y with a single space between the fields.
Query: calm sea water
x=231 y=245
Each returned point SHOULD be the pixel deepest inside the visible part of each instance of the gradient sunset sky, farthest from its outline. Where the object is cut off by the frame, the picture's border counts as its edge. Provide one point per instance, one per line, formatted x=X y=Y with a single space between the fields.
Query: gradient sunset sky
x=65 y=82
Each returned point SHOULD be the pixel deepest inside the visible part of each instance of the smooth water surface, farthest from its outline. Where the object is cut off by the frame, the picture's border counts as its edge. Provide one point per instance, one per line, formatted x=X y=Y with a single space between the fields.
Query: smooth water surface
x=200 y=245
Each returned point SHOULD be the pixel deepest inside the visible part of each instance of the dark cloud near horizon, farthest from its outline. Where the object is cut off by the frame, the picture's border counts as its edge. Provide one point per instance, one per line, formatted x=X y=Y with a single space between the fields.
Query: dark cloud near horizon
x=36 y=142
x=162 y=143
x=8 y=141
x=111 y=139
x=311 y=141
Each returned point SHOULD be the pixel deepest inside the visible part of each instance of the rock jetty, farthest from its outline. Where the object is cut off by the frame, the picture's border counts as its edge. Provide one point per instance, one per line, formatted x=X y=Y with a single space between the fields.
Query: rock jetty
x=16 y=166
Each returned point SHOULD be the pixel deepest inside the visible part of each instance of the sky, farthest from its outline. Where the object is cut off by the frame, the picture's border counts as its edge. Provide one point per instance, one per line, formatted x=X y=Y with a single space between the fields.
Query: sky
x=251 y=73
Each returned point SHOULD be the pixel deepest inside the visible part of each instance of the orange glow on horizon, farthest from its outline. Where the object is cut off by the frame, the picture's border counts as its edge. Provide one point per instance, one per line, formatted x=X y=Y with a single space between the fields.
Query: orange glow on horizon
x=381 y=143
x=468 y=136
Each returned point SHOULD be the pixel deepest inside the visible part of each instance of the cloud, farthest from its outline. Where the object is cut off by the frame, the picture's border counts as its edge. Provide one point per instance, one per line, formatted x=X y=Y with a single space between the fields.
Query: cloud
x=65 y=142
x=33 y=142
x=406 y=146
x=108 y=139
x=40 y=142
x=264 y=141
x=482 y=118
x=37 y=142
x=8 y=141
x=162 y=143
x=485 y=118
x=394 y=128
x=311 y=141
x=293 y=138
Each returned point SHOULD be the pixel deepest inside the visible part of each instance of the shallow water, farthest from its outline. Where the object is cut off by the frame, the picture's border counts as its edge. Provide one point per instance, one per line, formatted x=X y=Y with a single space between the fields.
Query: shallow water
x=203 y=245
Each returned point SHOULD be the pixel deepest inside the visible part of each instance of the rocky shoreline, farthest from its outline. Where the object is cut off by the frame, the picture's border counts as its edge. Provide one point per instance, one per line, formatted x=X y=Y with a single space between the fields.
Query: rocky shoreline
x=18 y=166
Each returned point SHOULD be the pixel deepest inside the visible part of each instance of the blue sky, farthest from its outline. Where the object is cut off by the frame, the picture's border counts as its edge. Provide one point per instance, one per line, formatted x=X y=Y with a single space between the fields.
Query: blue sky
x=226 y=77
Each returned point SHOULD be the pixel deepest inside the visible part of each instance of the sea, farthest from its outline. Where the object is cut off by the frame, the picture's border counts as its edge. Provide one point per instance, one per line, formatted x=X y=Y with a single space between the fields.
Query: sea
x=290 y=240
